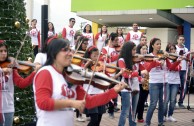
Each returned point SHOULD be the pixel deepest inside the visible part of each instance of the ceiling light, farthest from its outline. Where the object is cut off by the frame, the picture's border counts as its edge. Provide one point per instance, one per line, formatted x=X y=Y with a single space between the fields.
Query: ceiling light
x=150 y=18
x=99 y=19
x=189 y=6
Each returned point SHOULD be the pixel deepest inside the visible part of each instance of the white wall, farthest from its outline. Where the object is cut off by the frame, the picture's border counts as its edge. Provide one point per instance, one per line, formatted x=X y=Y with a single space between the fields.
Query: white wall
x=165 y=34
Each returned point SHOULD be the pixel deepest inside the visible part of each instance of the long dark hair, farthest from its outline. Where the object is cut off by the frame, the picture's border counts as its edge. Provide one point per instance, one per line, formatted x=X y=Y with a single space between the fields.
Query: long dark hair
x=152 y=42
x=54 y=47
x=126 y=54
x=90 y=31
x=3 y=43
x=105 y=32
x=53 y=29
x=138 y=50
x=118 y=33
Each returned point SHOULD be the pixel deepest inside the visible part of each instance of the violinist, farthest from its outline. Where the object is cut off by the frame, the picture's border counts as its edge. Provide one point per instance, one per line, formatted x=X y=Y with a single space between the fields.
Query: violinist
x=143 y=94
x=54 y=97
x=172 y=86
x=129 y=50
x=9 y=77
x=182 y=50
x=84 y=43
x=157 y=80
x=111 y=57
x=96 y=113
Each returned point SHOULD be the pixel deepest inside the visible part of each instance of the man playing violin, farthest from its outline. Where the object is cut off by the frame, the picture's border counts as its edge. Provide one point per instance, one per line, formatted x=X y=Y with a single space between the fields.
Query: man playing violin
x=54 y=97
x=111 y=57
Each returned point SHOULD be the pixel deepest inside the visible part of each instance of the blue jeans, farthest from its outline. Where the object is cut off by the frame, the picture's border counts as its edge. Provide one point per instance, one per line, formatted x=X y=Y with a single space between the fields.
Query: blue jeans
x=156 y=94
x=171 y=92
x=126 y=108
x=182 y=95
x=8 y=118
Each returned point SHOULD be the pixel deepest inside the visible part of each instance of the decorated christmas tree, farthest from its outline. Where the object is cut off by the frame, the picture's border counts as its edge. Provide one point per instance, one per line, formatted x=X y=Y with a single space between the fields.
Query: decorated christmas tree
x=13 y=28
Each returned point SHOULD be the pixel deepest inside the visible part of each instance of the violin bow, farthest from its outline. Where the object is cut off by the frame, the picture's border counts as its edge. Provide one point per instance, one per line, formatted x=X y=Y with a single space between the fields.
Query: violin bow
x=22 y=43
x=106 y=57
x=93 y=72
x=76 y=49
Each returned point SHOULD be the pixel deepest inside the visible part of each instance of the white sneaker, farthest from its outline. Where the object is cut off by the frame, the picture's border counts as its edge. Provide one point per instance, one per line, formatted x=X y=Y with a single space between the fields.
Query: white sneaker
x=171 y=119
x=81 y=119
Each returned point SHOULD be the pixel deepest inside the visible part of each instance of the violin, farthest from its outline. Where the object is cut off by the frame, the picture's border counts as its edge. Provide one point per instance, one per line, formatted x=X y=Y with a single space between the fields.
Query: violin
x=75 y=60
x=146 y=57
x=77 y=75
x=24 y=66
x=110 y=68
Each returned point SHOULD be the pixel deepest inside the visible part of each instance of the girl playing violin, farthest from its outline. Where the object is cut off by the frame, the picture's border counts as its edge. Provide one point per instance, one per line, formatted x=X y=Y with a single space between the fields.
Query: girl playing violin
x=96 y=113
x=172 y=86
x=129 y=100
x=157 y=79
x=8 y=78
x=141 y=49
x=54 y=97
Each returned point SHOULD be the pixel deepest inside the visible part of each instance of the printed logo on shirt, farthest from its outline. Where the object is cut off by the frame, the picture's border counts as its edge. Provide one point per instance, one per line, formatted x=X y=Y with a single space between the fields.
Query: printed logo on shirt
x=33 y=32
x=3 y=85
x=135 y=37
x=67 y=92
x=114 y=53
x=71 y=32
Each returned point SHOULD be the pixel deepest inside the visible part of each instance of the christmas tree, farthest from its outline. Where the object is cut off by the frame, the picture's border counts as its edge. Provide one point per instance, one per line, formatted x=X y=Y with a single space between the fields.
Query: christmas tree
x=13 y=28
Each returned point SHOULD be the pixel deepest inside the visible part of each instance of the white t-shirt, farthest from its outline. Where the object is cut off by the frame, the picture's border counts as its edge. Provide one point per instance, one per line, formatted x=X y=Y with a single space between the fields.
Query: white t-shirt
x=40 y=58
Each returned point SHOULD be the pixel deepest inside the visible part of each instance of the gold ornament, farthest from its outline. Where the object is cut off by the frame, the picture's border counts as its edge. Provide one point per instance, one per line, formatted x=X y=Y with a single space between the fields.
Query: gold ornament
x=16 y=119
x=27 y=20
x=17 y=24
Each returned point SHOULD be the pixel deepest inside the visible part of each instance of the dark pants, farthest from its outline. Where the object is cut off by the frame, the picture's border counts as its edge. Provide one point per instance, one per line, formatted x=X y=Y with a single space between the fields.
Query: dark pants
x=182 y=90
x=142 y=99
x=35 y=49
x=95 y=119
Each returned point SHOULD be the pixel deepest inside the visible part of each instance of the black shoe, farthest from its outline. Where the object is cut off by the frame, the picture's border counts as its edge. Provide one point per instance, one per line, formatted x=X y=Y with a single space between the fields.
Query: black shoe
x=181 y=106
x=161 y=125
x=116 y=109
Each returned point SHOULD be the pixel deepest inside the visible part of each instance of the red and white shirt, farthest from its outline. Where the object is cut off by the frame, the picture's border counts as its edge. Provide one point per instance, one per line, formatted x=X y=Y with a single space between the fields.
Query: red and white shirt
x=185 y=52
x=69 y=33
x=49 y=85
x=134 y=37
x=121 y=40
x=101 y=40
x=35 y=36
x=90 y=37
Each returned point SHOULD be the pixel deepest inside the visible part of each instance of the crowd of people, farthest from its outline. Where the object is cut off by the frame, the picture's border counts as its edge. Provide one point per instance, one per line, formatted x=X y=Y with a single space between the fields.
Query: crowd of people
x=142 y=69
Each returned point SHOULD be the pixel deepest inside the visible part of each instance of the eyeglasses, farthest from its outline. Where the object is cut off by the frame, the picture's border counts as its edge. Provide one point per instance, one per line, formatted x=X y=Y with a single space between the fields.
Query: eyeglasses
x=85 y=43
x=172 y=49
x=67 y=50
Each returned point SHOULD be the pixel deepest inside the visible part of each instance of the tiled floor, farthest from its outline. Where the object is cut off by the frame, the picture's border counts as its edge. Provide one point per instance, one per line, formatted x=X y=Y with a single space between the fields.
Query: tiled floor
x=183 y=116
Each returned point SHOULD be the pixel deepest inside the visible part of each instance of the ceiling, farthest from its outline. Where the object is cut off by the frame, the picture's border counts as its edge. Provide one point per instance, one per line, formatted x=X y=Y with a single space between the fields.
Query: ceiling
x=142 y=17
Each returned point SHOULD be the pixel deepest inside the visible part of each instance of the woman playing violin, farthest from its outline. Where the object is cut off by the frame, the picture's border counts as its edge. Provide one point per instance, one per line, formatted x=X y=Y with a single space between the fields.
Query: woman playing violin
x=129 y=50
x=172 y=86
x=142 y=49
x=54 y=97
x=157 y=79
x=9 y=77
